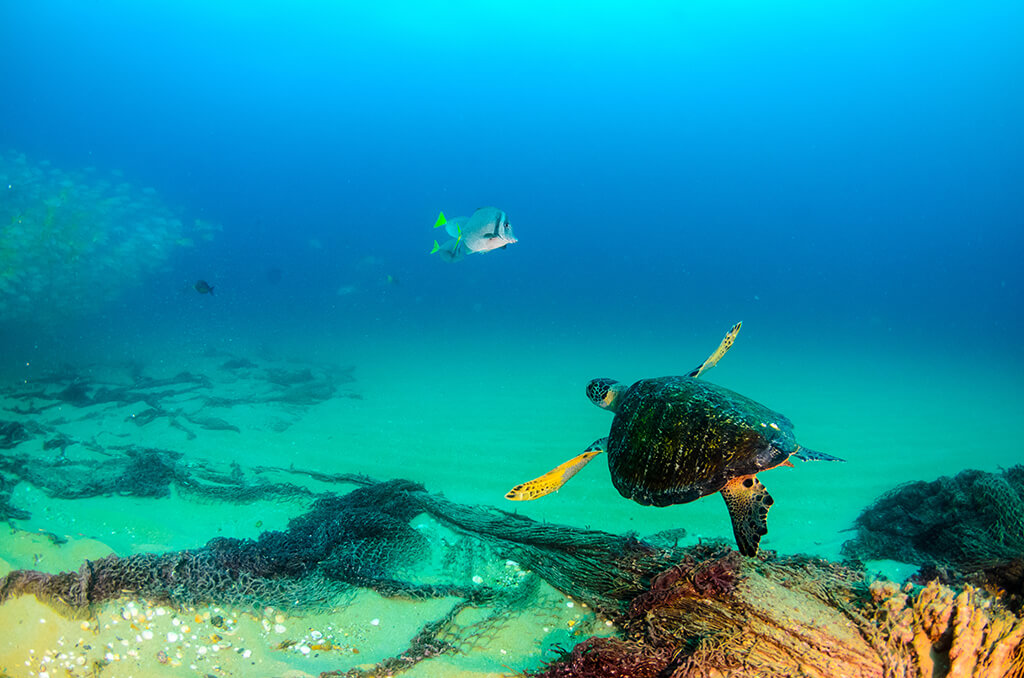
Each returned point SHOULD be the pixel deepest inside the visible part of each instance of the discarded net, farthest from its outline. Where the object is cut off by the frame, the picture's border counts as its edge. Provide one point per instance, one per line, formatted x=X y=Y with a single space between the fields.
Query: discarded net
x=362 y=539
x=718 y=614
x=968 y=528
x=701 y=611
x=974 y=517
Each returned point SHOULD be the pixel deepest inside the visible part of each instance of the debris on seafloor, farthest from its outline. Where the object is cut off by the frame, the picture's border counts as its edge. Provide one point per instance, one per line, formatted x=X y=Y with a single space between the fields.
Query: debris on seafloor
x=971 y=517
x=965 y=528
x=701 y=611
x=185 y=400
x=719 y=615
x=364 y=539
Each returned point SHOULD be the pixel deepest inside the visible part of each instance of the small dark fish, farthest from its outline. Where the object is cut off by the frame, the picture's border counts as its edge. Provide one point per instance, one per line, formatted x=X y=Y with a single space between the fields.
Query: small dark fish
x=203 y=287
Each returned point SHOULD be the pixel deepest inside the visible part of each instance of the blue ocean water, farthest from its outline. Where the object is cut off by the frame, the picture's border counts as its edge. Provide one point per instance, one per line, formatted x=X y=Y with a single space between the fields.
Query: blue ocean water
x=850 y=171
x=843 y=178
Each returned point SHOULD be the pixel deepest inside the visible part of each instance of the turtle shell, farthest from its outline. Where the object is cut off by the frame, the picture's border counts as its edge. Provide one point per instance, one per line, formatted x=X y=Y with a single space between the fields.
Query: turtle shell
x=676 y=439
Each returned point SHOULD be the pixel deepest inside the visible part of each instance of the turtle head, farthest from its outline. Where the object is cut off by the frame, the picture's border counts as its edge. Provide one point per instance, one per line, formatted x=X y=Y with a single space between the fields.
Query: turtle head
x=603 y=392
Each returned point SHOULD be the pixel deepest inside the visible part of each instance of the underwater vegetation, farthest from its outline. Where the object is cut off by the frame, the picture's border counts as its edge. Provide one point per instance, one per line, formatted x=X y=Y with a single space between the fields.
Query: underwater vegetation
x=71 y=241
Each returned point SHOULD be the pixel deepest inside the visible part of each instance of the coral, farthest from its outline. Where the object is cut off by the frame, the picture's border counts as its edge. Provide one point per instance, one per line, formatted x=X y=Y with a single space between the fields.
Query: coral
x=799 y=617
x=949 y=633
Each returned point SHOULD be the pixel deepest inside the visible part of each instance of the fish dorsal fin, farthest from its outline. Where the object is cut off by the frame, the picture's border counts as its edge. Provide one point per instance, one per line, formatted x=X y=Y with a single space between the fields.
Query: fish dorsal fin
x=441 y=221
x=722 y=349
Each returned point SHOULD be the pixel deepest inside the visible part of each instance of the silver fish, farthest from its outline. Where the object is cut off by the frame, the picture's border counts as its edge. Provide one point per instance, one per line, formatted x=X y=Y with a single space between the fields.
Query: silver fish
x=487 y=229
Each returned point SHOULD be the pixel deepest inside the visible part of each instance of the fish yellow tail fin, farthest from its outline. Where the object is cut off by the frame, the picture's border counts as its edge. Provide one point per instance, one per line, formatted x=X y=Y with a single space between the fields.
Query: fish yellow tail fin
x=441 y=221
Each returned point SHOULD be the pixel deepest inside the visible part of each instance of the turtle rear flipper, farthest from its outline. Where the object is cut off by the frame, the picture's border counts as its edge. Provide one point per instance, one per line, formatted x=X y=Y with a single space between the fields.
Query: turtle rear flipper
x=813 y=455
x=748 y=502
x=722 y=349
x=556 y=477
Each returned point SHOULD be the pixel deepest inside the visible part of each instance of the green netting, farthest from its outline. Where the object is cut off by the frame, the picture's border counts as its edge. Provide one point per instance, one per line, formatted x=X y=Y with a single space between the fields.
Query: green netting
x=965 y=522
x=683 y=612
x=362 y=538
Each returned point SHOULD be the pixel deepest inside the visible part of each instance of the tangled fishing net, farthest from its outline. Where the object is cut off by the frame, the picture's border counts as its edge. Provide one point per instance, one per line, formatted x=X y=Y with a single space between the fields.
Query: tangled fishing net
x=350 y=539
x=700 y=611
x=70 y=241
x=970 y=518
x=717 y=614
x=968 y=527
x=361 y=539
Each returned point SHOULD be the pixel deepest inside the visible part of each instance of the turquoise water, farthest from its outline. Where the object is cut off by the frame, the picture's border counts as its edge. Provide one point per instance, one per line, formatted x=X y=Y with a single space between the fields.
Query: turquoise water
x=470 y=415
x=844 y=179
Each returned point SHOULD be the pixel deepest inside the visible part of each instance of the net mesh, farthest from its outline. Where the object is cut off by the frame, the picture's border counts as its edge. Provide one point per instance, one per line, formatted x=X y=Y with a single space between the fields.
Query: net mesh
x=682 y=611
x=969 y=527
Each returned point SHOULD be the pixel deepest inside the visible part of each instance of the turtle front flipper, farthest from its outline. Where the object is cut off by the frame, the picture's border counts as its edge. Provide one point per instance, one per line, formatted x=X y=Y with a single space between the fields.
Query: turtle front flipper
x=722 y=349
x=748 y=501
x=556 y=477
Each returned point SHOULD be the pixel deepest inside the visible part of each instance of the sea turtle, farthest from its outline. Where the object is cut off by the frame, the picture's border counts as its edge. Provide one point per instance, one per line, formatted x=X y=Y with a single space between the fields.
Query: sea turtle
x=676 y=439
